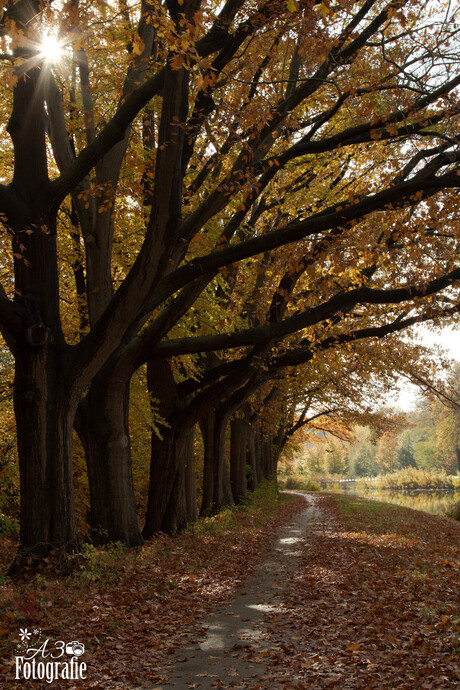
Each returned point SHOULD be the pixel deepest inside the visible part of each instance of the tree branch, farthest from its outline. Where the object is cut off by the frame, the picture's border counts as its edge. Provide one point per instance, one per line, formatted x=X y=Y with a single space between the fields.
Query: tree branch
x=339 y=302
x=114 y=130
x=331 y=218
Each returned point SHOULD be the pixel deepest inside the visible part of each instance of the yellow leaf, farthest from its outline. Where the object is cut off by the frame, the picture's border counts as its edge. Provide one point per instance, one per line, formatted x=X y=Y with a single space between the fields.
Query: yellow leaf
x=353 y=647
x=292 y=5
x=138 y=45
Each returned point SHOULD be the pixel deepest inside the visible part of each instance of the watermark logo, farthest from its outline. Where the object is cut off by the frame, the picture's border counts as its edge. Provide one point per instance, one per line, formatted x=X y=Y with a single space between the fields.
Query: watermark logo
x=38 y=658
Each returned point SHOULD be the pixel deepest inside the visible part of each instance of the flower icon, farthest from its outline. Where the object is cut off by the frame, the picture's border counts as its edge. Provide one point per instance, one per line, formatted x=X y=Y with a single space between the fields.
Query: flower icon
x=24 y=634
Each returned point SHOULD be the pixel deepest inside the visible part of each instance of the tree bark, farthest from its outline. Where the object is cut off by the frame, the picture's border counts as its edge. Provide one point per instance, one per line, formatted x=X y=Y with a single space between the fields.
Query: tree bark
x=253 y=480
x=174 y=518
x=258 y=440
x=239 y=436
x=44 y=418
x=216 y=481
x=190 y=481
x=44 y=398
x=217 y=491
x=207 y=431
x=103 y=427
x=166 y=504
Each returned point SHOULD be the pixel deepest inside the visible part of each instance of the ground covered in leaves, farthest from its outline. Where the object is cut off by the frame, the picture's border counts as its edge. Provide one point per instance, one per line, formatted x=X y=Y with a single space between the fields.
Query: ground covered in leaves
x=372 y=600
x=374 y=604
x=133 y=608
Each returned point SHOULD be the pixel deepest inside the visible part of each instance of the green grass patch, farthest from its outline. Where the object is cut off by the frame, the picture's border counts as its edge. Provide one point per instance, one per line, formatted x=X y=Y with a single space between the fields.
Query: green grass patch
x=254 y=511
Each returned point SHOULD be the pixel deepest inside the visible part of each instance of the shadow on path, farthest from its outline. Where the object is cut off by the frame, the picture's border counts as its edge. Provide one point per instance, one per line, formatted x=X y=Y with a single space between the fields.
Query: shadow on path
x=236 y=643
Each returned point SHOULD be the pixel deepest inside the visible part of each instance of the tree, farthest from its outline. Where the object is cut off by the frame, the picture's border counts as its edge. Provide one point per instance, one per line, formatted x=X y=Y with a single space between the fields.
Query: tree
x=329 y=164
x=365 y=465
x=405 y=454
x=447 y=415
x=387 y=455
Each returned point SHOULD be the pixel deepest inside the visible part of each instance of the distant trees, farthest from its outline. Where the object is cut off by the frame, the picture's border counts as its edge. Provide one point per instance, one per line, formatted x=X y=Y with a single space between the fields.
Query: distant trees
x=427 y=439
x=386 y=457
x=405 y=453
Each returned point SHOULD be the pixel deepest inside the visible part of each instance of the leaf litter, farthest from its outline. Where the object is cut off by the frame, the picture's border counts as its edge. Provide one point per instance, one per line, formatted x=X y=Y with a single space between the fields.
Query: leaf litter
x=372 y=602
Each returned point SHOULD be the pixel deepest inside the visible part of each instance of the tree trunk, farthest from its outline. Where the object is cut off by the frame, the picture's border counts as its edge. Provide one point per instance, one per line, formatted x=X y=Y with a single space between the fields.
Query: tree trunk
x=174 y=518
x=44 y=402
x=253 y=481
x=239 y=433
x=190 y=481
x=217 y=491
x=227 y=496
x=173 y=471
x=181 y=507
x=222 y=493
x=259 y=446
x=207 y=431
x=268 y=457
x=103 y=427
x=166 y=504
x=166 y=508
x=44 y=418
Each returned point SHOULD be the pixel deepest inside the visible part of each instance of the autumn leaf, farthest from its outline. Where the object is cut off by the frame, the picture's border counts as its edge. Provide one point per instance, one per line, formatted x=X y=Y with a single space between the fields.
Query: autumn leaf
x=353 y=647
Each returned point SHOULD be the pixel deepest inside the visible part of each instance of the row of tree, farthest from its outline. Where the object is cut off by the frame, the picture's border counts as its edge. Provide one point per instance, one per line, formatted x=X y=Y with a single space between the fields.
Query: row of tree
x=244 y=198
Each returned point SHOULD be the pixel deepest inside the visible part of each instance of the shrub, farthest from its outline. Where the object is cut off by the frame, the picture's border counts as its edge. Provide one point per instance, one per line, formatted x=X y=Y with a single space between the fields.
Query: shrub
x=8 y=526
x=455 y=512
x=301 y=484
x=411 y=478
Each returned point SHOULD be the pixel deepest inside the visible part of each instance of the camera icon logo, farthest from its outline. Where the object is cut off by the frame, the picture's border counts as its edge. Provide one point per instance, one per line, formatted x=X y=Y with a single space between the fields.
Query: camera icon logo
x=75 y=648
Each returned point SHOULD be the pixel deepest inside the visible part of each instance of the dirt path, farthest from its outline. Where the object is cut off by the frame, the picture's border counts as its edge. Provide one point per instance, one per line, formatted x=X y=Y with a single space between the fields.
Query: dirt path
x=236 y=640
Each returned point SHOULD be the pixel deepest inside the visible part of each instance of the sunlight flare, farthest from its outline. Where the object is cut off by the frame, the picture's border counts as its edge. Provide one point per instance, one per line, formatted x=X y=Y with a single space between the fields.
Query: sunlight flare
x=51 y=48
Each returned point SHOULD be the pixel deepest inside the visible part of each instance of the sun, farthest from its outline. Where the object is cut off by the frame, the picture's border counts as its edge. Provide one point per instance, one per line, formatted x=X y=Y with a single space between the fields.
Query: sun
x=51 y=48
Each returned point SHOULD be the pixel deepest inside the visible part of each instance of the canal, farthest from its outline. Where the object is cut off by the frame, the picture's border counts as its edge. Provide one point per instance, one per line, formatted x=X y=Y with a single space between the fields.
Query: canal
x=430 y=501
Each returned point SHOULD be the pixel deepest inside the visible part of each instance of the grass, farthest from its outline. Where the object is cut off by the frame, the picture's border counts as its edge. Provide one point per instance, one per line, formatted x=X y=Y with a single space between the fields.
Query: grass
x=354 y=510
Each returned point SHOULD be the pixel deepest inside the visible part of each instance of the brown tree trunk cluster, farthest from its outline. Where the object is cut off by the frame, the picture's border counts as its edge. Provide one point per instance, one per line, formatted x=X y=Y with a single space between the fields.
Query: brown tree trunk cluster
x=236 y=457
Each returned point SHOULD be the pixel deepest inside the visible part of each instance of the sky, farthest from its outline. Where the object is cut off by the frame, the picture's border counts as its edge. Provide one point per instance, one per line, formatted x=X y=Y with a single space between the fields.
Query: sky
x=449 y=338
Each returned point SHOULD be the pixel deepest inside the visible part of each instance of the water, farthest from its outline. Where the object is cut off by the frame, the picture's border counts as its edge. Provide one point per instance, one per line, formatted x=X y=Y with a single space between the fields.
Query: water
x=430 y=501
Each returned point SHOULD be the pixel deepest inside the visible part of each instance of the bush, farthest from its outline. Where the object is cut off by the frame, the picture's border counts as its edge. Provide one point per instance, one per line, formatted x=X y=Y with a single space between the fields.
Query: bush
x=300 y=484
x=411 y=478
x=455 y=512
x=8 y=526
